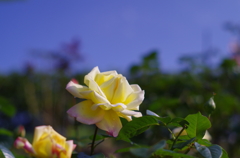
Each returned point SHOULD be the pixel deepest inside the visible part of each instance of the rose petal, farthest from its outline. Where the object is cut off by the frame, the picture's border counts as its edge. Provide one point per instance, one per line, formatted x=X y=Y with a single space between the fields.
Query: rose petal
x=89 y=80
x=76 y=89
x=110 y=123
x=107 y=106
x=85 y=114
x=58 y=150
x=38 y=132
x=105 y=77
x=85 y=93
x=95 y=97
x=91 y=75
x=118 y=107
x=58 y=138
x=47 y=130
x=69 y=148
x=131 y=113
x=43 y=147
x=122 y=92
x=128 y=118
x=104 y=106
x=134 y=100
x=109 y=87
x=136 y=87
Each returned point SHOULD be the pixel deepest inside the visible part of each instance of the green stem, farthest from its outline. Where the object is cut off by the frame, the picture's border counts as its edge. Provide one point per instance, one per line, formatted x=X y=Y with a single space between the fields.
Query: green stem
x=175 y=140
x=93 y=141
x=173 y=136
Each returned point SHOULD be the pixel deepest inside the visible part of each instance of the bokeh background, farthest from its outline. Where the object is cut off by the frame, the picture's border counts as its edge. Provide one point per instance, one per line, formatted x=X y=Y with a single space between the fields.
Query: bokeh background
x=179 y=52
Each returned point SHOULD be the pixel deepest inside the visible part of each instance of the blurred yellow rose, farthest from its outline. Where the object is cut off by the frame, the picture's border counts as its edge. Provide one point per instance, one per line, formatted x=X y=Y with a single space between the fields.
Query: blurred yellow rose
x=47 y=143
x=108 y=96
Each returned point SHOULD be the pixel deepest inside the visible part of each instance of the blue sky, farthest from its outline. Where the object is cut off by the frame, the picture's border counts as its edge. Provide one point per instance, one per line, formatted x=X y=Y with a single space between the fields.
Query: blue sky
x=113 y=34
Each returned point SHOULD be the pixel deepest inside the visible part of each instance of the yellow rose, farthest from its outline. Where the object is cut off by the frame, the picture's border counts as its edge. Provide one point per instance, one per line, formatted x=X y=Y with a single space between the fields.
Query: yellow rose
x=47 y=143
x=108 y=96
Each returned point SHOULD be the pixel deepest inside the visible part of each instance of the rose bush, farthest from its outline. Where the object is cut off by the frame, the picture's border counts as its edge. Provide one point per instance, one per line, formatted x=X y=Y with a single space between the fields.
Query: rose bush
x=108 y=96
x=47 y=143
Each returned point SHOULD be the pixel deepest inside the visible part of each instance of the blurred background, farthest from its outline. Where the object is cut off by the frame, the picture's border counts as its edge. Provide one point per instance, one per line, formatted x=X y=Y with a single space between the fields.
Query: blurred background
x=179 y=52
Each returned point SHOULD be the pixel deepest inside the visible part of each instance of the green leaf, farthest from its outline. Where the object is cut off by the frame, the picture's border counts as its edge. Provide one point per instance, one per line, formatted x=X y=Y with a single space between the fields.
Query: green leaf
x=213 y=151
x=224 y=154
x=7 y=153
x=173 y=154
x=183 y=137
x=7 y=108
x=164 y=120
x=135 y=127
x=138 y=151
x=6 y=132
x=183 y=144
x=144 y=151
x=184 y=124
x=178 y=122
x=123 y=150
x=157 y=146
x=203 y=150
x=141 y=152
x=204 y=142
x=198 y=124
x=141 y=130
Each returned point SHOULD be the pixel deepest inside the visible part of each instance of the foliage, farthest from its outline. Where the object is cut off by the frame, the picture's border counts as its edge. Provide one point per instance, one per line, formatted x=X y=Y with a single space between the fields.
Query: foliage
x=183 y=99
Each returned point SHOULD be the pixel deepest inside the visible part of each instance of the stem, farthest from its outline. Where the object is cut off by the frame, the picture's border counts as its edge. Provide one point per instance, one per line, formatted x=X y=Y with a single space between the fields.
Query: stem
x=93 y=141
x=175 y=140
x=173 y=136
x=98 y=143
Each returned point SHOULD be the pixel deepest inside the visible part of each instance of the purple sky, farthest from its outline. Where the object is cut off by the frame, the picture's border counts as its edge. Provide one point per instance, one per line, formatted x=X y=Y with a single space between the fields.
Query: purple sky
x=114 y=34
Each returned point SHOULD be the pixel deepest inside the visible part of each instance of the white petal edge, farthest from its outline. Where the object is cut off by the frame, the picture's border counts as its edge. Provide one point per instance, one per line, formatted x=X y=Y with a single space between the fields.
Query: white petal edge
x=139 y=97
x=75 y=89
x=149 y=112
x=131 y=113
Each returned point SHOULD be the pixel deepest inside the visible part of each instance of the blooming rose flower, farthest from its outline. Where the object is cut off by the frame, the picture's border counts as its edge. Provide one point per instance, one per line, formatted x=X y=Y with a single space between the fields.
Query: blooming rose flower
x=108 y=96
x=47 y=143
